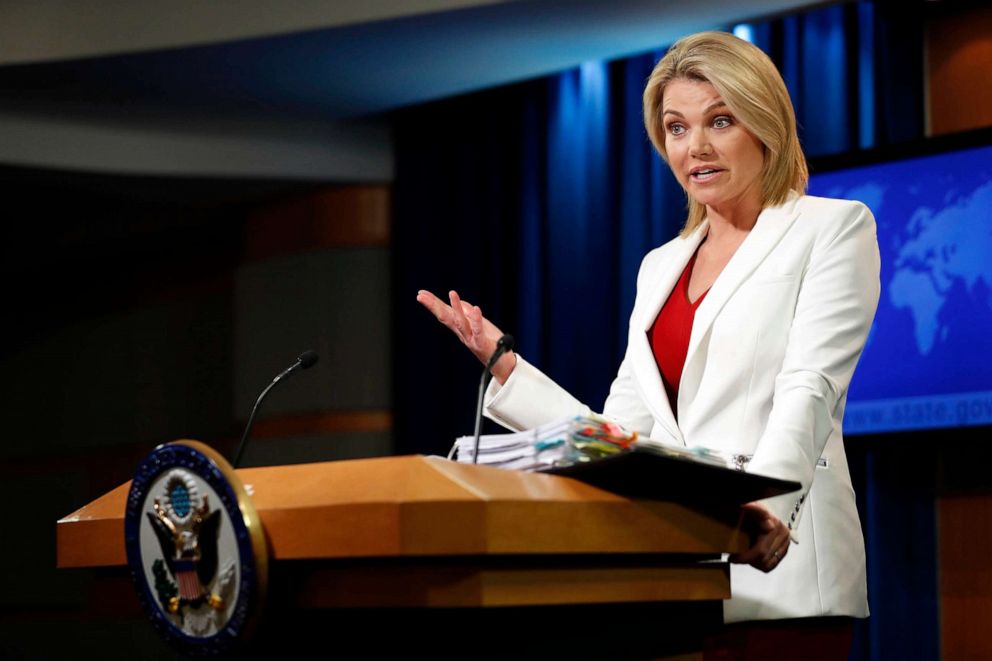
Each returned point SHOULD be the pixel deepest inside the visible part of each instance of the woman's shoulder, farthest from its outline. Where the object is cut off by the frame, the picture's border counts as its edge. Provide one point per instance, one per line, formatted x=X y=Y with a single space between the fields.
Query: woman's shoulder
x=826 y=218
x=832 y=208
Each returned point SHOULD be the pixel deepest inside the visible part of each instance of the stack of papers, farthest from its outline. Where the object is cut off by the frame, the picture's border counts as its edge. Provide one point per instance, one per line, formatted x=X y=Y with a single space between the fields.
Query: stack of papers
x=695 y=453
x=562 y=442
x=569 y=441
x=533 y=449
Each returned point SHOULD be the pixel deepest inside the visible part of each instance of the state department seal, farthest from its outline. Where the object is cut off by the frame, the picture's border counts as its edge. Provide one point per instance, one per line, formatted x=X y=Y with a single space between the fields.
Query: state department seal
x=195 y=548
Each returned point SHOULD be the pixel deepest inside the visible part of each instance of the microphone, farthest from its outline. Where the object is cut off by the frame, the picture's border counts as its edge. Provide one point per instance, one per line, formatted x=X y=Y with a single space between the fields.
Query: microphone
x=306 y=360
x=504 y=344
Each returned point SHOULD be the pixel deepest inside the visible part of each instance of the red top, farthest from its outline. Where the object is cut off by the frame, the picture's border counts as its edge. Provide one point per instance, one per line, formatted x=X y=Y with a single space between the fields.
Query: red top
x=669 y=335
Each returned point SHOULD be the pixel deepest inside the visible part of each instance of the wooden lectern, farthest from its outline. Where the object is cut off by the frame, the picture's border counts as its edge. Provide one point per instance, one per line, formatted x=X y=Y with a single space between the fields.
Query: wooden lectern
x=403 y=537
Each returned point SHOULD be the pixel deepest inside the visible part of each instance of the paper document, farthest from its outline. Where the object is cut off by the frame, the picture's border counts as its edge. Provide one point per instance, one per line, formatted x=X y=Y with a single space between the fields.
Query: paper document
x=567 y=441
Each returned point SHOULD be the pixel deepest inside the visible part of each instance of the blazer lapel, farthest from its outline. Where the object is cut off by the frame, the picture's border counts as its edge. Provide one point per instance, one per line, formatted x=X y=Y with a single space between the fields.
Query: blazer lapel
x=643 y=364
x=768 y=231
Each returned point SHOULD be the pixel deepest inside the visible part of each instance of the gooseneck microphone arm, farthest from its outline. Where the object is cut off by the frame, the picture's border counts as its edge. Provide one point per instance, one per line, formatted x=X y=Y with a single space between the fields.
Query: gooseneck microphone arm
x=505 y=344
x=305 y=361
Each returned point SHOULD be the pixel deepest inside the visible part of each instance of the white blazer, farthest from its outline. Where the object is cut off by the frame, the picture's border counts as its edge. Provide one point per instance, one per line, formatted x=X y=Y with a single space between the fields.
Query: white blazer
x=772 y=351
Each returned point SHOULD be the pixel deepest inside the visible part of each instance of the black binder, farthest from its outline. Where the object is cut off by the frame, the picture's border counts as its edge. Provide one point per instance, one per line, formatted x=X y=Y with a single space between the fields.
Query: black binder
x=658 y=474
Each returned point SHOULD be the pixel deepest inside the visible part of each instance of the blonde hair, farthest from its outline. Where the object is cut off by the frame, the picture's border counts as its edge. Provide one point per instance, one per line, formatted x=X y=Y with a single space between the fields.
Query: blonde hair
x=751 y=86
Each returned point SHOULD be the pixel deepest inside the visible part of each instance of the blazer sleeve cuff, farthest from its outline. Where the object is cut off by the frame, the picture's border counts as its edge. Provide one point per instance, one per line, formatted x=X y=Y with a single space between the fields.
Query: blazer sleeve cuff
x=529 y=399
x=789 y=509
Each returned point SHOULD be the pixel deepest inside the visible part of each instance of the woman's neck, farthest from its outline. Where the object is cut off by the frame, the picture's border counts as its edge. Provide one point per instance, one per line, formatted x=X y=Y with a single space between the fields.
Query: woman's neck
x=732 y=223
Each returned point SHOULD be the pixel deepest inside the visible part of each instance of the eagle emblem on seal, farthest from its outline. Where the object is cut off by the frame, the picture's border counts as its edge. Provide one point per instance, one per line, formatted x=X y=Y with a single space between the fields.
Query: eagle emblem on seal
x=187 y=531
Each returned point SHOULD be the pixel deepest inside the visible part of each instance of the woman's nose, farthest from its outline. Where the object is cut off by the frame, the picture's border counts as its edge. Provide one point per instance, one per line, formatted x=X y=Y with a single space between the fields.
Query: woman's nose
x=699 y=144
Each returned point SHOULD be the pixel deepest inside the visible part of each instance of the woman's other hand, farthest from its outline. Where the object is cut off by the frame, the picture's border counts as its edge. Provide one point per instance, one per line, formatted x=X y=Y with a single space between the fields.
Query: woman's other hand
x=769 y=538
x=476 y=332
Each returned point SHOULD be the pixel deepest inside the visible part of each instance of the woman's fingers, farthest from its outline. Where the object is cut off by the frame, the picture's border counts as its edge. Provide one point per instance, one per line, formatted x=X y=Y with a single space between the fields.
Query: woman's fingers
x=480 y=326
x=748 y=557
x=770 y=539
x=441 y=310
x=487 y=329
x=464 y=320
x=444 y=313
x=478 y=340
x=474 y=315
x=432 y=303
x=778 y=546
x=458 y=315
x=477 y=327
x=477 y=333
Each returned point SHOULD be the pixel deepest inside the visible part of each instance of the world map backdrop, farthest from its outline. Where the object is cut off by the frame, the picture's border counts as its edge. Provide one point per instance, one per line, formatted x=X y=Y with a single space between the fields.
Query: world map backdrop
x=928 y=359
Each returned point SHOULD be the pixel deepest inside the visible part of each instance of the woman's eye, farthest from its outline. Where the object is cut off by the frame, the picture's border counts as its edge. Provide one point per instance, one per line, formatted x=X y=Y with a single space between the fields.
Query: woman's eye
x=722 y=122
x=676 y=129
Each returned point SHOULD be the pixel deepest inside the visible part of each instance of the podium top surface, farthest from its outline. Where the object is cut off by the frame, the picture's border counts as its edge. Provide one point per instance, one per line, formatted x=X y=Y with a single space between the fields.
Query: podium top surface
x=425 y=506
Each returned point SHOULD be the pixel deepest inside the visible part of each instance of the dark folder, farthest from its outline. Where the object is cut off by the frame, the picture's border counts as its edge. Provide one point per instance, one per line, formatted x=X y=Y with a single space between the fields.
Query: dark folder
x=654 y=473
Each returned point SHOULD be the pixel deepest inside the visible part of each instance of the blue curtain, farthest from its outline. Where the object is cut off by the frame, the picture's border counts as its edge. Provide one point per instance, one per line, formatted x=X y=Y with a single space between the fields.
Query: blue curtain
x=608 y=201
x=537 y=201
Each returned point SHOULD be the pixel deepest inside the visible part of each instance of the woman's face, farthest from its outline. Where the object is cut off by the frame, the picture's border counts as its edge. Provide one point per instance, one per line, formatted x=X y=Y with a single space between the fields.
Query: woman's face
x=713 y=156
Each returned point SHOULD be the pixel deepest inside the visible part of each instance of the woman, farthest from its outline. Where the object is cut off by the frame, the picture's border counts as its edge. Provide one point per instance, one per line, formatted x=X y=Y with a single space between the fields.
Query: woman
x=746 y=328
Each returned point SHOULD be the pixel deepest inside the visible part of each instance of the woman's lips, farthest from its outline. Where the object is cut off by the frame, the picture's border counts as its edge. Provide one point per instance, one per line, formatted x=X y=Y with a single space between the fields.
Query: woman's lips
x=703 y=175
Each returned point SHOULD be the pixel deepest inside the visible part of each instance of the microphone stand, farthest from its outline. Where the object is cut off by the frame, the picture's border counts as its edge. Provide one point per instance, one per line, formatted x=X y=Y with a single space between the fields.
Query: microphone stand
x=305 y=361
x=505 y=344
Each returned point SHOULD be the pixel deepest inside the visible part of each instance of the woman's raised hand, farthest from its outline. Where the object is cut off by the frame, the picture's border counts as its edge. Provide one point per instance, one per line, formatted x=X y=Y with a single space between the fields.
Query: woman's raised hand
x=476 y=332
